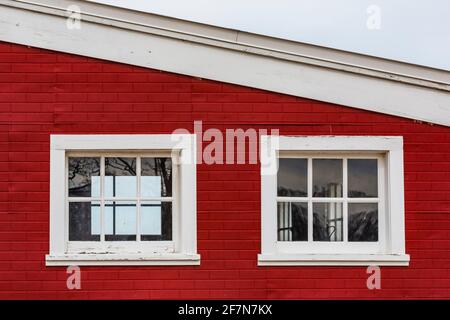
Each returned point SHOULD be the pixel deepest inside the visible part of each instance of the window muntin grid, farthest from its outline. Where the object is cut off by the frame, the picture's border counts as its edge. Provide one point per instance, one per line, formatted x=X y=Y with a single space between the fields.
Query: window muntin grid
x=339 y=200
x=141 y=202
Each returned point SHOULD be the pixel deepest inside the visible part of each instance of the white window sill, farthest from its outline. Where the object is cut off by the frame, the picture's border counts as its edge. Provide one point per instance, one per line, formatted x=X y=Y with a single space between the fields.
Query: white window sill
x=333 y=259
x=168 y=259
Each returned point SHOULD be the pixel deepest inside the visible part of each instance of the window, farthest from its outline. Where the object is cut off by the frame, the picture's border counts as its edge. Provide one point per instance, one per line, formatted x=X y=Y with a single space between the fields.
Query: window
x=118 y=199
x=330 y=198
x=332 y=201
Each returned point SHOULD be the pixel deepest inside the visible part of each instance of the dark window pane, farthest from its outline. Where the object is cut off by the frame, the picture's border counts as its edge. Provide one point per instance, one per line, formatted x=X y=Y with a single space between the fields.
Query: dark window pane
x=327 y=177
x=120 y=221
x=84 y=180
x=120 y=177
x=362 y=178
x=156 y=177
x=327 y=221
x=292 y=221
x=84 y=221
x=292 y=177
x=156 y=221
x=363 y=222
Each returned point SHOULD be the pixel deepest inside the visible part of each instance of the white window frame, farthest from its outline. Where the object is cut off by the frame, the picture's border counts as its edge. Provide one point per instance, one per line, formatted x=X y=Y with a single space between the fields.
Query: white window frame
x=389 y=250
x=181 y=250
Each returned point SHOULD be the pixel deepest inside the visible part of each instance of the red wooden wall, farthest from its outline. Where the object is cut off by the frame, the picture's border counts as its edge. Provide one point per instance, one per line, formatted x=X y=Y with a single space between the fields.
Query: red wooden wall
x=43 y=92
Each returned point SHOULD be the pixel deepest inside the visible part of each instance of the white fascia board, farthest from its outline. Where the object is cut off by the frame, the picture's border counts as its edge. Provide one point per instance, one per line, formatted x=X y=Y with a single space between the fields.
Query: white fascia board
x=231 y=56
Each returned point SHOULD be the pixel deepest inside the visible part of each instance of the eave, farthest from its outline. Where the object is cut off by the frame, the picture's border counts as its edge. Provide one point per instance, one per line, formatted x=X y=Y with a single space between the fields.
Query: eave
x=231 y=56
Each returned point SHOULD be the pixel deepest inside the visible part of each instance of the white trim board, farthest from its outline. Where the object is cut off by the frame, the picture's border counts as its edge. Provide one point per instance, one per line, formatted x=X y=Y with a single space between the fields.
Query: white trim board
x=232 y=56
x=333 y=260
x=123 y=260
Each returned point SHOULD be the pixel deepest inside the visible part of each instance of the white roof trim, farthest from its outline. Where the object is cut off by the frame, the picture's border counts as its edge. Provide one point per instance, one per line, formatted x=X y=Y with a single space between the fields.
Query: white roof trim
x=232 y=56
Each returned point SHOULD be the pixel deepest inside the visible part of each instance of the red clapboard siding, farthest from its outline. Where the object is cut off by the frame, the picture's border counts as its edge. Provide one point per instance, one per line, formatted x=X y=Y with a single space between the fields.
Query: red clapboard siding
x=43 y=92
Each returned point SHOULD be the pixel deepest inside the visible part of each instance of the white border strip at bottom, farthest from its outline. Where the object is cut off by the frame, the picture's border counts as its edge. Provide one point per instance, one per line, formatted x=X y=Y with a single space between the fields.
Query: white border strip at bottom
x=332 y=260
x=123 y=260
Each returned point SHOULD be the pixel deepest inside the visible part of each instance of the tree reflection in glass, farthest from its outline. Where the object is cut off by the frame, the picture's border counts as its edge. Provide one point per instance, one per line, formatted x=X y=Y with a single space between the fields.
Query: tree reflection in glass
x=362 y=222
x=83 y=177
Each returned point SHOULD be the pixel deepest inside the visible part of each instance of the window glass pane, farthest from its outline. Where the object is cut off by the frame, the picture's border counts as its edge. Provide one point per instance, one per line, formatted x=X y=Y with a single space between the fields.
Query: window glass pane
x=292 y=177
x=84 y=177
x=362 y=222
x=84 y=221
x=156 y=177
x=120 y=221
x=327 y=177
x=362 y=178
x=120 y=177
x=292 y=221
x=327 y=221
x=156 y=221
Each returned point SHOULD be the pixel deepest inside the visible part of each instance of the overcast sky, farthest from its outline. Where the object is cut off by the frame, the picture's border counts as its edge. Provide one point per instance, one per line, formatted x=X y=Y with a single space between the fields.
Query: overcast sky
x=416 y=31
